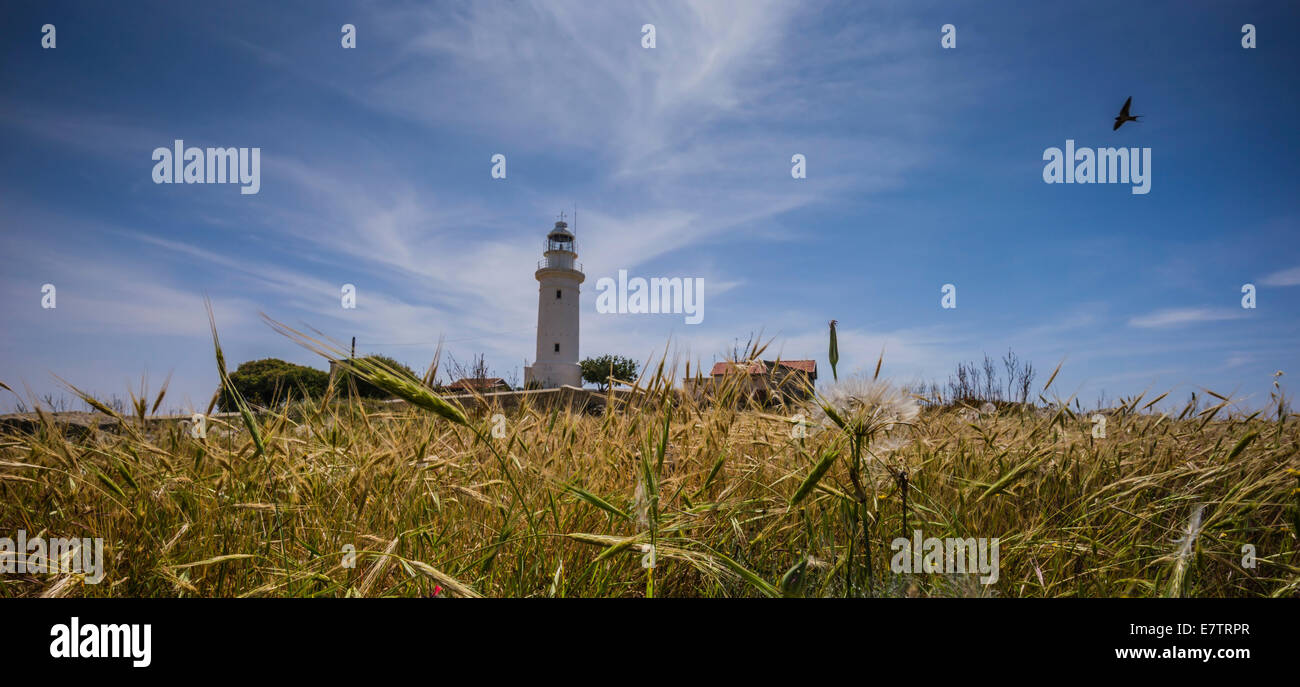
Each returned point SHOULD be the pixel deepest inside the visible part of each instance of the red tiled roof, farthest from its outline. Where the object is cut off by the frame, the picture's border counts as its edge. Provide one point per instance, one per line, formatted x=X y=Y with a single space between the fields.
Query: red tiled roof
x=758 y=367
x=809 y=366
x=727 y=366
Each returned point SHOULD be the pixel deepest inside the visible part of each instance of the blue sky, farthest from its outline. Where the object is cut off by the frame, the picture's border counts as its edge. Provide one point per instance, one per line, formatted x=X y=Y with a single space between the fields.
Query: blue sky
x=924 y=167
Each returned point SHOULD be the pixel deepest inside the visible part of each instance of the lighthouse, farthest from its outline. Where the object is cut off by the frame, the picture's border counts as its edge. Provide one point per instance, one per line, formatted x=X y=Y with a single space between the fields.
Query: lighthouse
x=558 y=275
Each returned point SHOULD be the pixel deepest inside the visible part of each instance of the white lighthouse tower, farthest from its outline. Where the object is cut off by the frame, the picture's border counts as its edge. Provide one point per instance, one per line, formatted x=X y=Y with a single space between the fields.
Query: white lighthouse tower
x=559 y=275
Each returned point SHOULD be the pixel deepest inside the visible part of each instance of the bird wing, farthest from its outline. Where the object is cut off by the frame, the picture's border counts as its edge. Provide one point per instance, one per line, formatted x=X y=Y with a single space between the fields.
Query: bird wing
x=1118 y=122
x=1123 y=112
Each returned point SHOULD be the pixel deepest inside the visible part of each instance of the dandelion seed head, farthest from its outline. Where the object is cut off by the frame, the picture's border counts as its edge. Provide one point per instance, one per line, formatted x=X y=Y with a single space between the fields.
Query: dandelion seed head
x=866 y=407
x=641 y=505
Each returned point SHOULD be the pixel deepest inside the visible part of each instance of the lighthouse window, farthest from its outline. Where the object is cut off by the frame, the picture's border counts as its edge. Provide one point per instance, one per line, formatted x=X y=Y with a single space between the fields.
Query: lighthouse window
x=557 y=348
x=557 y=293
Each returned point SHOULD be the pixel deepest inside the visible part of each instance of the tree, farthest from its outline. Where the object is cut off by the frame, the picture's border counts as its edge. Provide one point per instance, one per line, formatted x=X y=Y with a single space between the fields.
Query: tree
x=975 y=383
x=366 y=389
x=476 y=368
x=598 y=370
x=270 y=381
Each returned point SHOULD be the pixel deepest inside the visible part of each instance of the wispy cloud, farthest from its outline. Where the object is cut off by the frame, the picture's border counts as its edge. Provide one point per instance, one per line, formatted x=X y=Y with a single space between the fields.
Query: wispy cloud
x=1176 y=317
x=1289 y=277
x=579 y=71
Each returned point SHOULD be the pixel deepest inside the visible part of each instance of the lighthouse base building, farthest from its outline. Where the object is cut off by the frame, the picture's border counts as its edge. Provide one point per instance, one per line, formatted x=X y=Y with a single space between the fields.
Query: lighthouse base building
x=558 y=276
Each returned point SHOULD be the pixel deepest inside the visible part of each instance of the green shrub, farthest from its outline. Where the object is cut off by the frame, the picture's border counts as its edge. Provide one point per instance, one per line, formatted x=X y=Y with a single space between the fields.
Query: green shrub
x=269 y=382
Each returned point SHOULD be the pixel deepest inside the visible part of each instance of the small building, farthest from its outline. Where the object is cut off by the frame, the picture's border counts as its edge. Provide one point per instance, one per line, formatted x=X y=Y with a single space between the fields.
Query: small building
x=765 y=381
x=480 y=385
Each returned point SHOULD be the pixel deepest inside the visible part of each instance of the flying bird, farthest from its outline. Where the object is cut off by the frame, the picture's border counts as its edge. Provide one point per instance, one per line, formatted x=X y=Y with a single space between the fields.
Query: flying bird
x=1124 y=116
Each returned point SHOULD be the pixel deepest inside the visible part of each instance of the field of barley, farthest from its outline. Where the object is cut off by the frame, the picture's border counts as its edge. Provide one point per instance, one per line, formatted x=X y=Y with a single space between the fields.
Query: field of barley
x=662 y=494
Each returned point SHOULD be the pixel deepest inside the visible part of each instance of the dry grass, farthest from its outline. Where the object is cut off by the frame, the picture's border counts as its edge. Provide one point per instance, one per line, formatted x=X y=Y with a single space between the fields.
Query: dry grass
x=727 y=499
x=562 y=505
